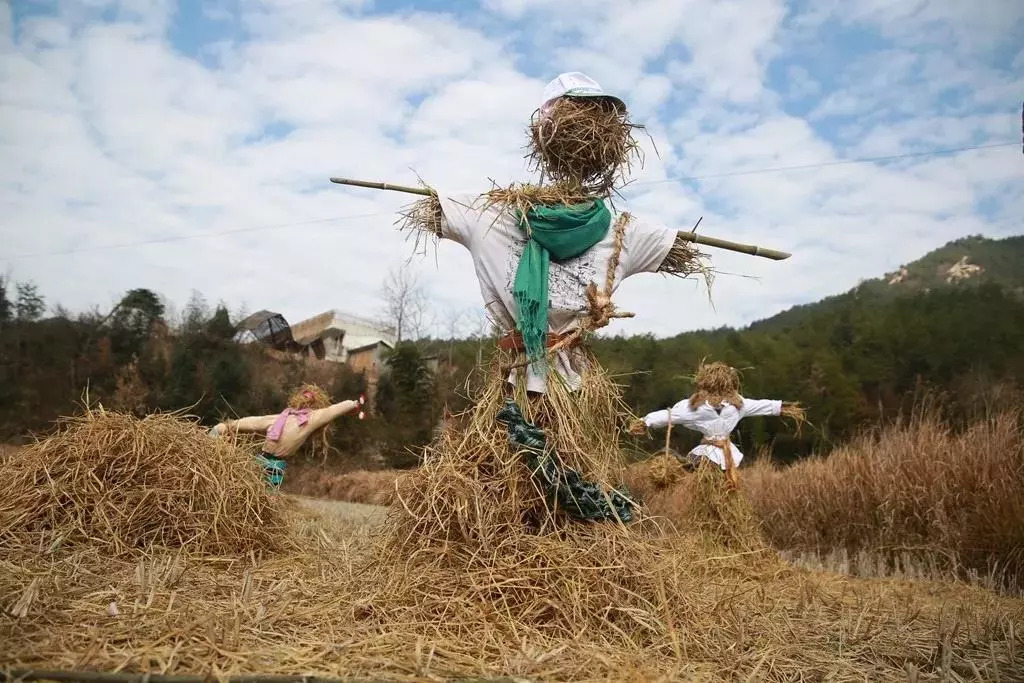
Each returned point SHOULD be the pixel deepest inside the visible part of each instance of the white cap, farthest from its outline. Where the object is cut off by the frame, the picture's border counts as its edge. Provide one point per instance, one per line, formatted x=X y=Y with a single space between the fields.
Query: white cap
x=574 y=84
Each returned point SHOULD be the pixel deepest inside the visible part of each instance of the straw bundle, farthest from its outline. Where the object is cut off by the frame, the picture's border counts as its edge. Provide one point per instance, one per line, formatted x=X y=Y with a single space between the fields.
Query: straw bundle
x=587 y=142
x=684 y=260
x=696 y=501
x=519 y=198
x=122 y=483
x=422 y=217
x=723 y=516
x=795 y=412
x=474 y=487
x=664 y=470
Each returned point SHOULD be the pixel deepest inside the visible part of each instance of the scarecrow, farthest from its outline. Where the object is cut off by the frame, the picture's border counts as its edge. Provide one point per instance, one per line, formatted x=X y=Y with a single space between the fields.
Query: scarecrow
x=714 y=410
x=548 y=259
x=309 y=414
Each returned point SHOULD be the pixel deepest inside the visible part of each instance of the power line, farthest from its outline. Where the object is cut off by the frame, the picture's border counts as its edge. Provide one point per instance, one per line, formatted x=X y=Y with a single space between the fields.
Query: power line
x=729 y=174
x=823 y=164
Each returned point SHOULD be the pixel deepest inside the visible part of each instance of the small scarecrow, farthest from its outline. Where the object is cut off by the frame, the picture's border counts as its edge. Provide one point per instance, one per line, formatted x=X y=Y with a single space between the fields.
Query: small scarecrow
x=714 y=410
x=309 y=414
x=548 y=259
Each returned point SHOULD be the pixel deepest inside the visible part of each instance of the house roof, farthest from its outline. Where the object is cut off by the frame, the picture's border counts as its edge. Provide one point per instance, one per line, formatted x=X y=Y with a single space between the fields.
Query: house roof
x=270 y=328
x=380 y=342
x=310 y=329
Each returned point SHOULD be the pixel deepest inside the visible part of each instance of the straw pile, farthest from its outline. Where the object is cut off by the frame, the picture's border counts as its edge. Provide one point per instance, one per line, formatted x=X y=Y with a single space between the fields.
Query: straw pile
x=582 y=602
x=121 y=483
x=370 y=487
x=696 y=501
x=472 y=543
x=587 y=142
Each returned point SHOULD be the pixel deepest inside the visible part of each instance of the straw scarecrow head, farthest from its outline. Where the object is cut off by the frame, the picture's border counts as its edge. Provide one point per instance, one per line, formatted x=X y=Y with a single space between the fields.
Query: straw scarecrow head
x=716 y=383
x=312 y=397
x=309 y=397
x=581 y=136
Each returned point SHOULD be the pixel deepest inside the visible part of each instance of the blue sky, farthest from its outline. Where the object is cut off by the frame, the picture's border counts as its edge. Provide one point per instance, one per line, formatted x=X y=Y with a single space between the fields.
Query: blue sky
x=187 y=145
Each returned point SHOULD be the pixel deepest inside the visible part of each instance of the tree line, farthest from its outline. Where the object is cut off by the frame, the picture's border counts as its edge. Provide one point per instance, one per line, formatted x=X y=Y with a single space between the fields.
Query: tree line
x=852 y=361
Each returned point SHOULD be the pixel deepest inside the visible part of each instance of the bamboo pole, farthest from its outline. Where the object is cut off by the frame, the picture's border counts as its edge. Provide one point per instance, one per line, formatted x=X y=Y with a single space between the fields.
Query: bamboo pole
x=751 y=249
x=706 y=240
x=425 y=191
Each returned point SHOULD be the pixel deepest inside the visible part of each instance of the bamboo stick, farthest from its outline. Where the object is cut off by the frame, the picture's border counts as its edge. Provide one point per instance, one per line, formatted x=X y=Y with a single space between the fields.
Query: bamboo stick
x=751 y=249
x=425 y=191
x=706 y=240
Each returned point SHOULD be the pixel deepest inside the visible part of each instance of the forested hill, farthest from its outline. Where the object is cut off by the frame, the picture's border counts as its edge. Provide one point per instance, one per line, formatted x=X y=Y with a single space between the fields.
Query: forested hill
x=952 y=321
x=966 y=262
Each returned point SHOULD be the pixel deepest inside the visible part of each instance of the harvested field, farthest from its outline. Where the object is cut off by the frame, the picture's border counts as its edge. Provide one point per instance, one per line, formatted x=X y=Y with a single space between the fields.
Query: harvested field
x=745 y=615
x=580 y=602
x=361 y=486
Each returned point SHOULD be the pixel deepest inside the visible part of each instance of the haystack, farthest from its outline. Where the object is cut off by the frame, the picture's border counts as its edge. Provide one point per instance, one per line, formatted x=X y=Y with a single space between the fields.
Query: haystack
x=474 y=531
x=696 y=502
x=114 y=481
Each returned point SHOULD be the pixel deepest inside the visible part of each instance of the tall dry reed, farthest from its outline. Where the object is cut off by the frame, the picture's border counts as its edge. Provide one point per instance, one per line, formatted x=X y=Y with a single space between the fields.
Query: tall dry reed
x=917 y=487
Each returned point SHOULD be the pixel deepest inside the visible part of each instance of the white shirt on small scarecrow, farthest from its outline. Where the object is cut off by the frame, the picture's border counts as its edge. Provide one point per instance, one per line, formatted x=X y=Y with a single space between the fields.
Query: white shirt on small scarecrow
x=496 y=241
x=714 y=410
x=716 y=423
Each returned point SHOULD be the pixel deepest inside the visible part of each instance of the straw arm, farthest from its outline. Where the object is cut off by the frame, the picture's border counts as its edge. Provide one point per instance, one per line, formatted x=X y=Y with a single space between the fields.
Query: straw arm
x=751 y=249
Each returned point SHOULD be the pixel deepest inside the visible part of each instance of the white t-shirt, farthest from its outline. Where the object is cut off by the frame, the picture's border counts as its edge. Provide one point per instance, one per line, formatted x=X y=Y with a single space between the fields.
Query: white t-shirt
x=713 y=424
x=496 y=243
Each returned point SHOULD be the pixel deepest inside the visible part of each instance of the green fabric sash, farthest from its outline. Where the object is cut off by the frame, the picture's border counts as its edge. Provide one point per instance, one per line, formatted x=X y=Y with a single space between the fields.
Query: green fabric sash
x=555 y=232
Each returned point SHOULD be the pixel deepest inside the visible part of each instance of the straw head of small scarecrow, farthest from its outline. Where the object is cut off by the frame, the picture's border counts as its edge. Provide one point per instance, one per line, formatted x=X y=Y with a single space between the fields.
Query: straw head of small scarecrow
x=312 y=397
x=309 y=397
x=581 y=136
x=716 y=383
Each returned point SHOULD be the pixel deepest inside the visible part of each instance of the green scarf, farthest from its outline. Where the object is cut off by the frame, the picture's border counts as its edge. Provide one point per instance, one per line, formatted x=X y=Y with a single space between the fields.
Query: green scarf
x=556 y=232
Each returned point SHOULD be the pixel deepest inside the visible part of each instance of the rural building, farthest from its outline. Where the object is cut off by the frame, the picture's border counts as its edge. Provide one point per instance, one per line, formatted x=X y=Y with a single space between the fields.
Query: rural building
x=332 y=335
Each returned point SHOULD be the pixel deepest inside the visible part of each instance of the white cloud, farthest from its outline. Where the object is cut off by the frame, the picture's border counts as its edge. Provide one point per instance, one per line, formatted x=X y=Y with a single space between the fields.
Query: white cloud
x=109 y=136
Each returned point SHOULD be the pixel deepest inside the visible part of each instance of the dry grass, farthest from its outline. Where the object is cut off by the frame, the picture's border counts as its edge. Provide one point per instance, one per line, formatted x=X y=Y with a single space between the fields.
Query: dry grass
x=117 y=482
x=472 y=574
x=916 y=486
x=362 y=486
x=322 y=609
x=585 y=142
